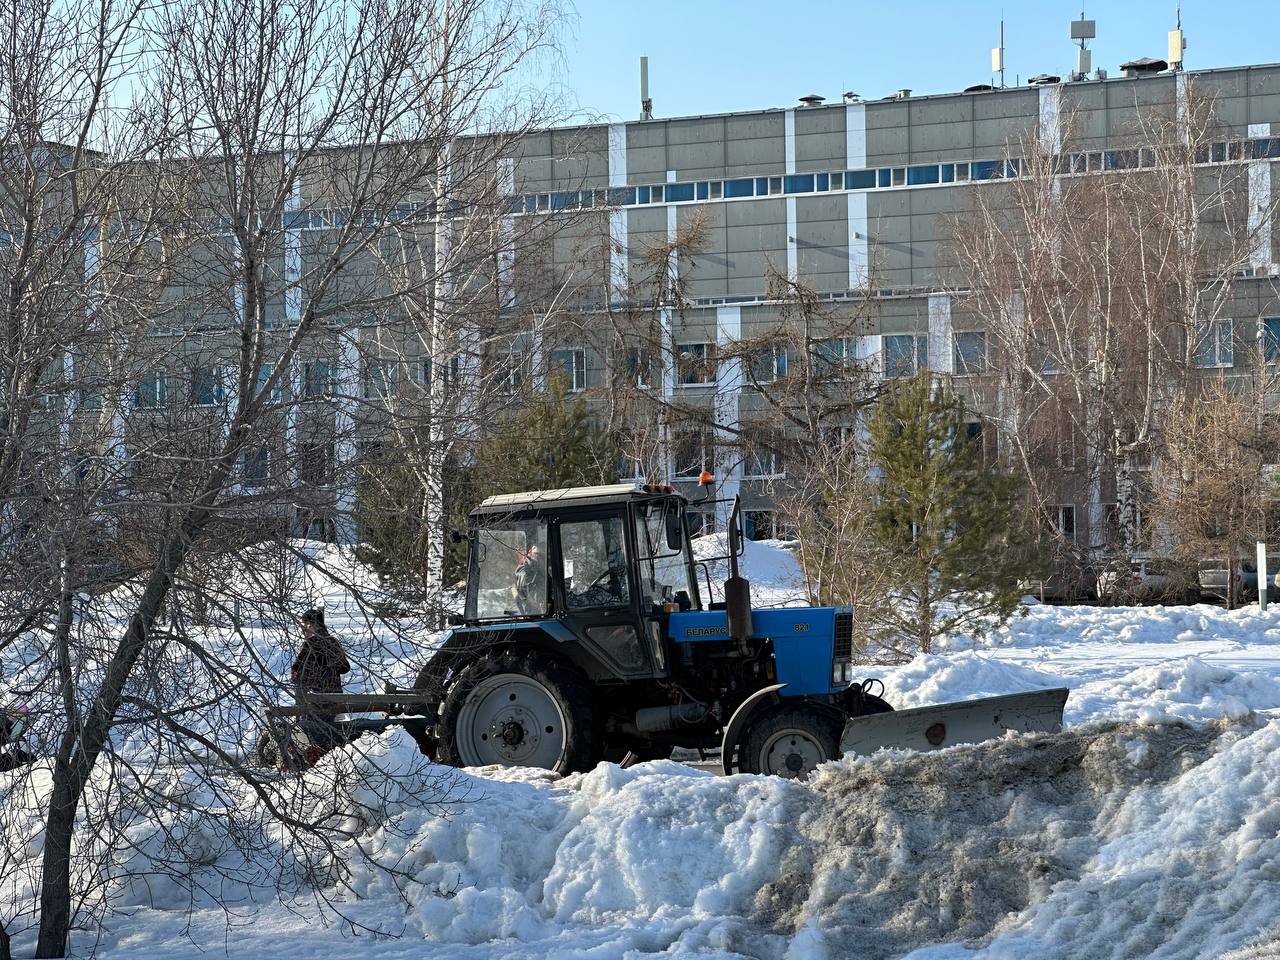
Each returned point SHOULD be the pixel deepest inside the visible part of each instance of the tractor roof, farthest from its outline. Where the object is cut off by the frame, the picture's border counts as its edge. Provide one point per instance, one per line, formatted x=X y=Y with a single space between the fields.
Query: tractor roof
x=567 y=497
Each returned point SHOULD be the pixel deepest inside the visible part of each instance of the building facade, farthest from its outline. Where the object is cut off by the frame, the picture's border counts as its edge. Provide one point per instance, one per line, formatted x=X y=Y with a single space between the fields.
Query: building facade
x=853 y=202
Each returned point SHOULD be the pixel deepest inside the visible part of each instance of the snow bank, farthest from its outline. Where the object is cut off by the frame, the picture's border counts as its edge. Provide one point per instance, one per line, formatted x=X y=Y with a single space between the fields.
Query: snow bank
x=774 y=572
x=1113 y=840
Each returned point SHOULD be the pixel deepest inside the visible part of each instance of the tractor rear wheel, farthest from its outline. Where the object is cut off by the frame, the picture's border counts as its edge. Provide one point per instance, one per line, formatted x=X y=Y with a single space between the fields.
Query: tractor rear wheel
x=518 y=710
x=790 y=740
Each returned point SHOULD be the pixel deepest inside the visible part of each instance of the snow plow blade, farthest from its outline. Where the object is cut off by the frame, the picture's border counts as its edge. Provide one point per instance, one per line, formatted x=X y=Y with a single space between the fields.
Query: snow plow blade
x=947 y=724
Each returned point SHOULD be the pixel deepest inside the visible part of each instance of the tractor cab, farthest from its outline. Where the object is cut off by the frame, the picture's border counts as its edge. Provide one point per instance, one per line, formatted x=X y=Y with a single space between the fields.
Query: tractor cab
x=606 y=565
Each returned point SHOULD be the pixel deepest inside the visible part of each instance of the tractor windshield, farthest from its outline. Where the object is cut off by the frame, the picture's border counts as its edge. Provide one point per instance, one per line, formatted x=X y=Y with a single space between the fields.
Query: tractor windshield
x=508 y=571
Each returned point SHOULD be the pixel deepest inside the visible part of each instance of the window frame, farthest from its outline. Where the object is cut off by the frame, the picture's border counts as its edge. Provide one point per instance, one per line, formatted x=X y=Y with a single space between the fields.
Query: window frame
x=708 y=363
x=919 y=354
x=575 y=372
x=1210 y=331
x=961 y=367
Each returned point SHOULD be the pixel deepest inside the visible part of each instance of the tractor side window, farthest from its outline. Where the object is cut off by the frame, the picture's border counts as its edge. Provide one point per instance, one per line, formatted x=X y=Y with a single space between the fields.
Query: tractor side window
x=511 y=570
x=595 y=563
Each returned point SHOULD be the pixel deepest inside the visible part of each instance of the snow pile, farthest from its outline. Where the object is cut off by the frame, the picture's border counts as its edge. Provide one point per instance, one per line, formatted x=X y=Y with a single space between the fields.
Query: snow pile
x=774 y=572
x=1112 y=840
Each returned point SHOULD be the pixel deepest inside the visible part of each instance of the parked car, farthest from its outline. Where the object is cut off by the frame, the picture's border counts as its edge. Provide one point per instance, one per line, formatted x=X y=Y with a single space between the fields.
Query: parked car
x=1214 y=576
x=1148 y=580
x=1062 y=586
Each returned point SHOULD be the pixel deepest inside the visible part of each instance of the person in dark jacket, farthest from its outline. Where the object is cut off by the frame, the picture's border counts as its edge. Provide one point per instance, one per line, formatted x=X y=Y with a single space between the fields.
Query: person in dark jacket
x=321 y=662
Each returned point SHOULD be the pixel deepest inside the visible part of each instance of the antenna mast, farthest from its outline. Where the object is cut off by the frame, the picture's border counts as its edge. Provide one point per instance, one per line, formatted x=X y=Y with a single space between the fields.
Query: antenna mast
x=997 y=56
x=1177 y=43
x=1083 y=30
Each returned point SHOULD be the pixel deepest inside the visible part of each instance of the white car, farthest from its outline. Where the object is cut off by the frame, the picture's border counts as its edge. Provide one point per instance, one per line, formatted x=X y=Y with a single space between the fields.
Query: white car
x=1149 y=580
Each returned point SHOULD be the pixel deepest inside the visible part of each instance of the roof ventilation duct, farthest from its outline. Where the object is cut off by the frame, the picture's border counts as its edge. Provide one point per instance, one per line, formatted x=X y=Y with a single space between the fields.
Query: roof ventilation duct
x=1143 y=67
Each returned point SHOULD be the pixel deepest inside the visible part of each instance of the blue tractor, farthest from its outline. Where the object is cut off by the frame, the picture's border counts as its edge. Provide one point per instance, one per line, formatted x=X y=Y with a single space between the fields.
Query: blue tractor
x=586 y=637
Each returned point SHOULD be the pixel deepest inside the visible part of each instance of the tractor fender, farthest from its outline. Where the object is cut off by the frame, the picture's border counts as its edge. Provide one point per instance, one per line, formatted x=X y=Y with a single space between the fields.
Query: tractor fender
x=761 y=698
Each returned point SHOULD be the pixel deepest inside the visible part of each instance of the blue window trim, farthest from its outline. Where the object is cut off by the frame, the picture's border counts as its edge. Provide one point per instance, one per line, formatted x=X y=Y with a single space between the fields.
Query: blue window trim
x=873 y=178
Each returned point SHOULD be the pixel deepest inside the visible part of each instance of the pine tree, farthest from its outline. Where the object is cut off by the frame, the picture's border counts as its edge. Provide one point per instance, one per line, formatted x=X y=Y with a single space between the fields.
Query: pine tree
x=545 y=443
x=951 y=525
x=548 y=442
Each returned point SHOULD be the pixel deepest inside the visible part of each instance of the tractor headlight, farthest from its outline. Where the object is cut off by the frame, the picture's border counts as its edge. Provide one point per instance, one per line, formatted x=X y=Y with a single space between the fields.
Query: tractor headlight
x=842 y=671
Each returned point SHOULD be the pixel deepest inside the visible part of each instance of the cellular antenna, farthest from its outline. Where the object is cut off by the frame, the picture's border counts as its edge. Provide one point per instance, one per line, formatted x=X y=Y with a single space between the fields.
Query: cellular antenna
x=997 y=55
x=1083 y=30
x=646 y=105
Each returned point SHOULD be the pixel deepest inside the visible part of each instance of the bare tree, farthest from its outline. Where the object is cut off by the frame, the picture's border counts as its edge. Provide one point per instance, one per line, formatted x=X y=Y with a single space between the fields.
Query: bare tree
x=198 y=286
x=1210 y=494
x=1100 y=279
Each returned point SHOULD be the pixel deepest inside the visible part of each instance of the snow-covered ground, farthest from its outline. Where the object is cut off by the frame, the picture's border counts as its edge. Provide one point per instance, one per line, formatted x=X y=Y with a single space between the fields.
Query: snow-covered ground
x=1150 y=829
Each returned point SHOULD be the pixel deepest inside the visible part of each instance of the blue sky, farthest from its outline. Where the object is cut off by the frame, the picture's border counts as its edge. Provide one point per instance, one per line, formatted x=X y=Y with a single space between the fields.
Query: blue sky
x=708 y=56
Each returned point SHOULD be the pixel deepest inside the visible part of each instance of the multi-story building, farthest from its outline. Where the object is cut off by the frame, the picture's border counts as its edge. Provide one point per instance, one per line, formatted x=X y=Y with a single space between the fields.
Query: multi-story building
x=851 y=200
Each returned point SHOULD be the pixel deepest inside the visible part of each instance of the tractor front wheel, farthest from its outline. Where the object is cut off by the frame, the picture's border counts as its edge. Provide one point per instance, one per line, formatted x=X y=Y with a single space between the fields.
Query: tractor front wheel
x=518 y=710
x=790 y=740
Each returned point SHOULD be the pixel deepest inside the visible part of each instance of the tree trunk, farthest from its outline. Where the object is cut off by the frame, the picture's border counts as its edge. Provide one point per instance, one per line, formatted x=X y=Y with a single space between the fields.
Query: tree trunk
x=55 y=875
x=82 y=746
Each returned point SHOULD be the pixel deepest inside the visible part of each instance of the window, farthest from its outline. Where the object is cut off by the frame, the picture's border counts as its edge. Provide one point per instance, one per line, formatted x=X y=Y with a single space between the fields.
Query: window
x=1271 y=339
x=882 y=177
x=319 y=377
x=762 y=463
x=277 y=392
x=679 y=192
x=1267 y=149
x=770 y=364
x=739 y=188
x=638 y=367
x=594 y=556
x=984 y=169
x=153 y=390
x=315 y=463
x=860 y=180
x=1213 y=346
x=904 y=354
x=510 y=370
x=759 y=525
x=921 y=175
x=984 y=438
x=692 y=451
x=206 y=386
x=833 y=355
x=381 y=379
x=700 y=523
x=1065 y=522
x=509 y=566
x=255 y=467
x=572 y=365
x=798 y=183
x=695 y=363
x=90 y=398
x=971 y=352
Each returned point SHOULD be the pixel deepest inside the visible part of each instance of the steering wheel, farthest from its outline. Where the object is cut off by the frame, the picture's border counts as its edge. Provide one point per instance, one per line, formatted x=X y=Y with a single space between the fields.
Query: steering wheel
x=604 y=574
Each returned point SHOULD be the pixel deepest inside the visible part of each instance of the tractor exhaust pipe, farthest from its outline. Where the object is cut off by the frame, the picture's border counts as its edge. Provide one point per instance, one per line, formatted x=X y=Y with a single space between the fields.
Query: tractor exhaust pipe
x=737 y=590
